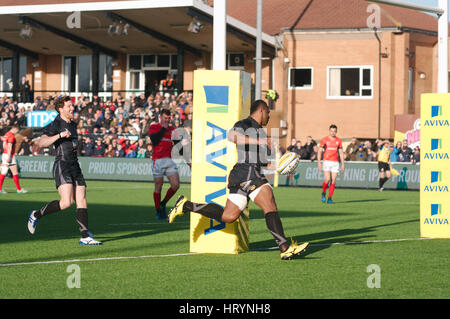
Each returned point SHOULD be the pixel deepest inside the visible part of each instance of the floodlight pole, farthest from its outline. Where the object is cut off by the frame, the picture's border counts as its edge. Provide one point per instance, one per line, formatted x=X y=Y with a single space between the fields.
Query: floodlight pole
x=258 y=55
x=442 y=12
x=220 y=35
x=443 y=48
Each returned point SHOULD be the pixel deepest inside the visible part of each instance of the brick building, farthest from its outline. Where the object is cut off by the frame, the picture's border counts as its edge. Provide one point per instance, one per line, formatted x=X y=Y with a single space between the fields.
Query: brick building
x=321 y=57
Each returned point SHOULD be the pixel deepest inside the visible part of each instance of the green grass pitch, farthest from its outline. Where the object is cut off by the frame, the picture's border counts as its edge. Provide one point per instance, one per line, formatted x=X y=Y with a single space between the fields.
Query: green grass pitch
x=142 y=257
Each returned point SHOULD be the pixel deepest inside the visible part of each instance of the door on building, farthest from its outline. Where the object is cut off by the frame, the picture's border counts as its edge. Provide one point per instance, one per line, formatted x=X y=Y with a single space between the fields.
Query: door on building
x=153 y=79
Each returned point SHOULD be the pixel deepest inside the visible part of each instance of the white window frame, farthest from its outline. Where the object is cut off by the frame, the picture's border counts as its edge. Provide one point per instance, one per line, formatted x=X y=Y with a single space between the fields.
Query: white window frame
x=77 y=92
x=8 y=94
x=143 y=69
x=361 y=86
x=299 y=87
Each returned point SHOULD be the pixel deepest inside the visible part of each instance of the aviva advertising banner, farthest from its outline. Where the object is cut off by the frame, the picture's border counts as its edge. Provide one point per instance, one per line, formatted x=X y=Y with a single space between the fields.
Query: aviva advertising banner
x=221 y=99
x=435 y=166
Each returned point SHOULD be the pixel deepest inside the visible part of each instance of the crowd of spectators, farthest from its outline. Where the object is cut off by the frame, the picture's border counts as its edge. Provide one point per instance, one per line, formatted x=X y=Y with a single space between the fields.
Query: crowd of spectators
x=119 y=127
x=357 y=151
x=106 y=127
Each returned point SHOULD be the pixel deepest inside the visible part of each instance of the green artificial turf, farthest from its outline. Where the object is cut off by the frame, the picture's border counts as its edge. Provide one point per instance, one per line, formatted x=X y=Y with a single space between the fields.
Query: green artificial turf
x=345 y=238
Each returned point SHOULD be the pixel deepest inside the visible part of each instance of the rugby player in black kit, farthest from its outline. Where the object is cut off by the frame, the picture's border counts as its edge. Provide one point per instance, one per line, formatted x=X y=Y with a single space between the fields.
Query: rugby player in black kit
x=247 y=181
x=62 y=134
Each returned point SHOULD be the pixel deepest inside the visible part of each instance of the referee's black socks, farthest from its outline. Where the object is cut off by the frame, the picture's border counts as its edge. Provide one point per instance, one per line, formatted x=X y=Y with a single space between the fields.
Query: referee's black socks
x=275 y=227
x=209 y=210
x=82 y=220
x=382 y=181
x=51 y=207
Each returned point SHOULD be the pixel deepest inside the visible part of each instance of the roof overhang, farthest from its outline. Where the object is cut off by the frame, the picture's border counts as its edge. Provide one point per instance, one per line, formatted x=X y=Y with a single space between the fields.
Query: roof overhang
x=167 y=18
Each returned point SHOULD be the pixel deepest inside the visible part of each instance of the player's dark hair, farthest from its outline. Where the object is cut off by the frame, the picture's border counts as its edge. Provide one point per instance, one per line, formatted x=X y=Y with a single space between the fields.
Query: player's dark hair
x=59 y=102
x=255 y=105
x=165 y=111
x=333 y=126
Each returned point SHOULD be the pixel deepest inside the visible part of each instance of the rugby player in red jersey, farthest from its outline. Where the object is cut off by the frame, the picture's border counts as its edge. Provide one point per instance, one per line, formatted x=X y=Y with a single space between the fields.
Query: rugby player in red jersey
x=9 y=159
x=161 y=137
x=331 y=148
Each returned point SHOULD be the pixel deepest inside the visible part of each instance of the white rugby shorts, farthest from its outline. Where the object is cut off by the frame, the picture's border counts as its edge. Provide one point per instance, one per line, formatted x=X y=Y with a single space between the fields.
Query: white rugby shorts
x=5 y=160
x=330 y=166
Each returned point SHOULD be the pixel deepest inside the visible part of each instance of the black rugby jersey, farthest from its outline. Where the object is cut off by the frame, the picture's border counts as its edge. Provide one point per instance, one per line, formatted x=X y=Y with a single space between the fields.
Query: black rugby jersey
x=66 y=148
x=251 y=154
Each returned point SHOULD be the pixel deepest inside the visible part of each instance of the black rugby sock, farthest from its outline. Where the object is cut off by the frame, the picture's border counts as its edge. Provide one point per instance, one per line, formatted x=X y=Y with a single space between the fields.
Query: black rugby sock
x=209 y=210
x=51 y=207
x=382 y=181
x=275 y=227
x=82 y=220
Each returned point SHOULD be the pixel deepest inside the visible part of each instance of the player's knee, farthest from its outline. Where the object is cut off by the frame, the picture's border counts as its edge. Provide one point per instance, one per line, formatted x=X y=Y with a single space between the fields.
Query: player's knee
x=230 y=217
x=65 y=203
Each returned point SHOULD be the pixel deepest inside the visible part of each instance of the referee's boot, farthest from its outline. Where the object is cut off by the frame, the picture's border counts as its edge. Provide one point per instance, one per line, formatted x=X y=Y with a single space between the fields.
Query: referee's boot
x=177 y=210
x=294 y=250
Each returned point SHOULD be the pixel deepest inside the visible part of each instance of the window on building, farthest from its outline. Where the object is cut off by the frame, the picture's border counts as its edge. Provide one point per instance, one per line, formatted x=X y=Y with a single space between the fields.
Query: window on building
x=105 y=73
x=78 y=73
x=134 y=80
x=300 y=78
x=350 y=82
x=6 y=68
x=163 y=61
x=6 y=81
x=70 y=73
x=84 y=73
x=135 y=62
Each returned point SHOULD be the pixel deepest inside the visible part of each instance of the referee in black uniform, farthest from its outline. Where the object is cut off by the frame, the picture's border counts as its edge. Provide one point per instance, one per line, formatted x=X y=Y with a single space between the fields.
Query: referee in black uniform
x=247 y=181
x=62 y=134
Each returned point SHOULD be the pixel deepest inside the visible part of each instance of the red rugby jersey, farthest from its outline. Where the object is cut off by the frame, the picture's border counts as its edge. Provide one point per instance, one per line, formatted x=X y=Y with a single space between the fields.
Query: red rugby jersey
x=164 y=148
x=331 y=146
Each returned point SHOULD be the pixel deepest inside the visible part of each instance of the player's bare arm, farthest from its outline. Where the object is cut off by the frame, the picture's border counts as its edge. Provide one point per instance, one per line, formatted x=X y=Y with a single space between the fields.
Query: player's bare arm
x=241 y=139
x=319 y=157
x=341 y=156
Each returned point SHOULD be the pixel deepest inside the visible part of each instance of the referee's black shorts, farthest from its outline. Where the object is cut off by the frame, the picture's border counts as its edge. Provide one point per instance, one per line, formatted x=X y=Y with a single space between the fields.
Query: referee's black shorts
x=68 y=172
x=383 y=167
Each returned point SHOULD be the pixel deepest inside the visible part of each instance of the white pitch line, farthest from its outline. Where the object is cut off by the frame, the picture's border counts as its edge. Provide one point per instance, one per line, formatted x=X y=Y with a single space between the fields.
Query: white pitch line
x=94 y=259
x=189 y=254
x=355 y=242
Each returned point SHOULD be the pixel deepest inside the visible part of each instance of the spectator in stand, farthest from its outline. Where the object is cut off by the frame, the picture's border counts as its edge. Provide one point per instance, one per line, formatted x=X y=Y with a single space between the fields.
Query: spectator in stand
x=300 y=150
x=140 y=145
x=130 y=149
x=416 y=155
x=406 y=153
x=352 y=148
x=109 y=152
x=25 y=90
x=99 y=148
x=88 y=148
x=395 y=151
x=311 y=149
x=168 y=83
x=371 y=155
x=360 y=154
x=149 y=151
x=293 y=146
x=188 y=122
x=313 y=155
x=119 y=152
x=26 y=147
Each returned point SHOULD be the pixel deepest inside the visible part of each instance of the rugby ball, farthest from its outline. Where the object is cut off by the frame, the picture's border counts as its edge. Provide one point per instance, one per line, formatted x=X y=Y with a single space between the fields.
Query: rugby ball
x=287 y=163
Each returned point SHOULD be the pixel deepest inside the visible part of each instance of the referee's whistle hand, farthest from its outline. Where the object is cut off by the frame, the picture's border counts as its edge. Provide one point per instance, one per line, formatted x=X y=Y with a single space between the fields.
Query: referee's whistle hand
x=65 y=134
